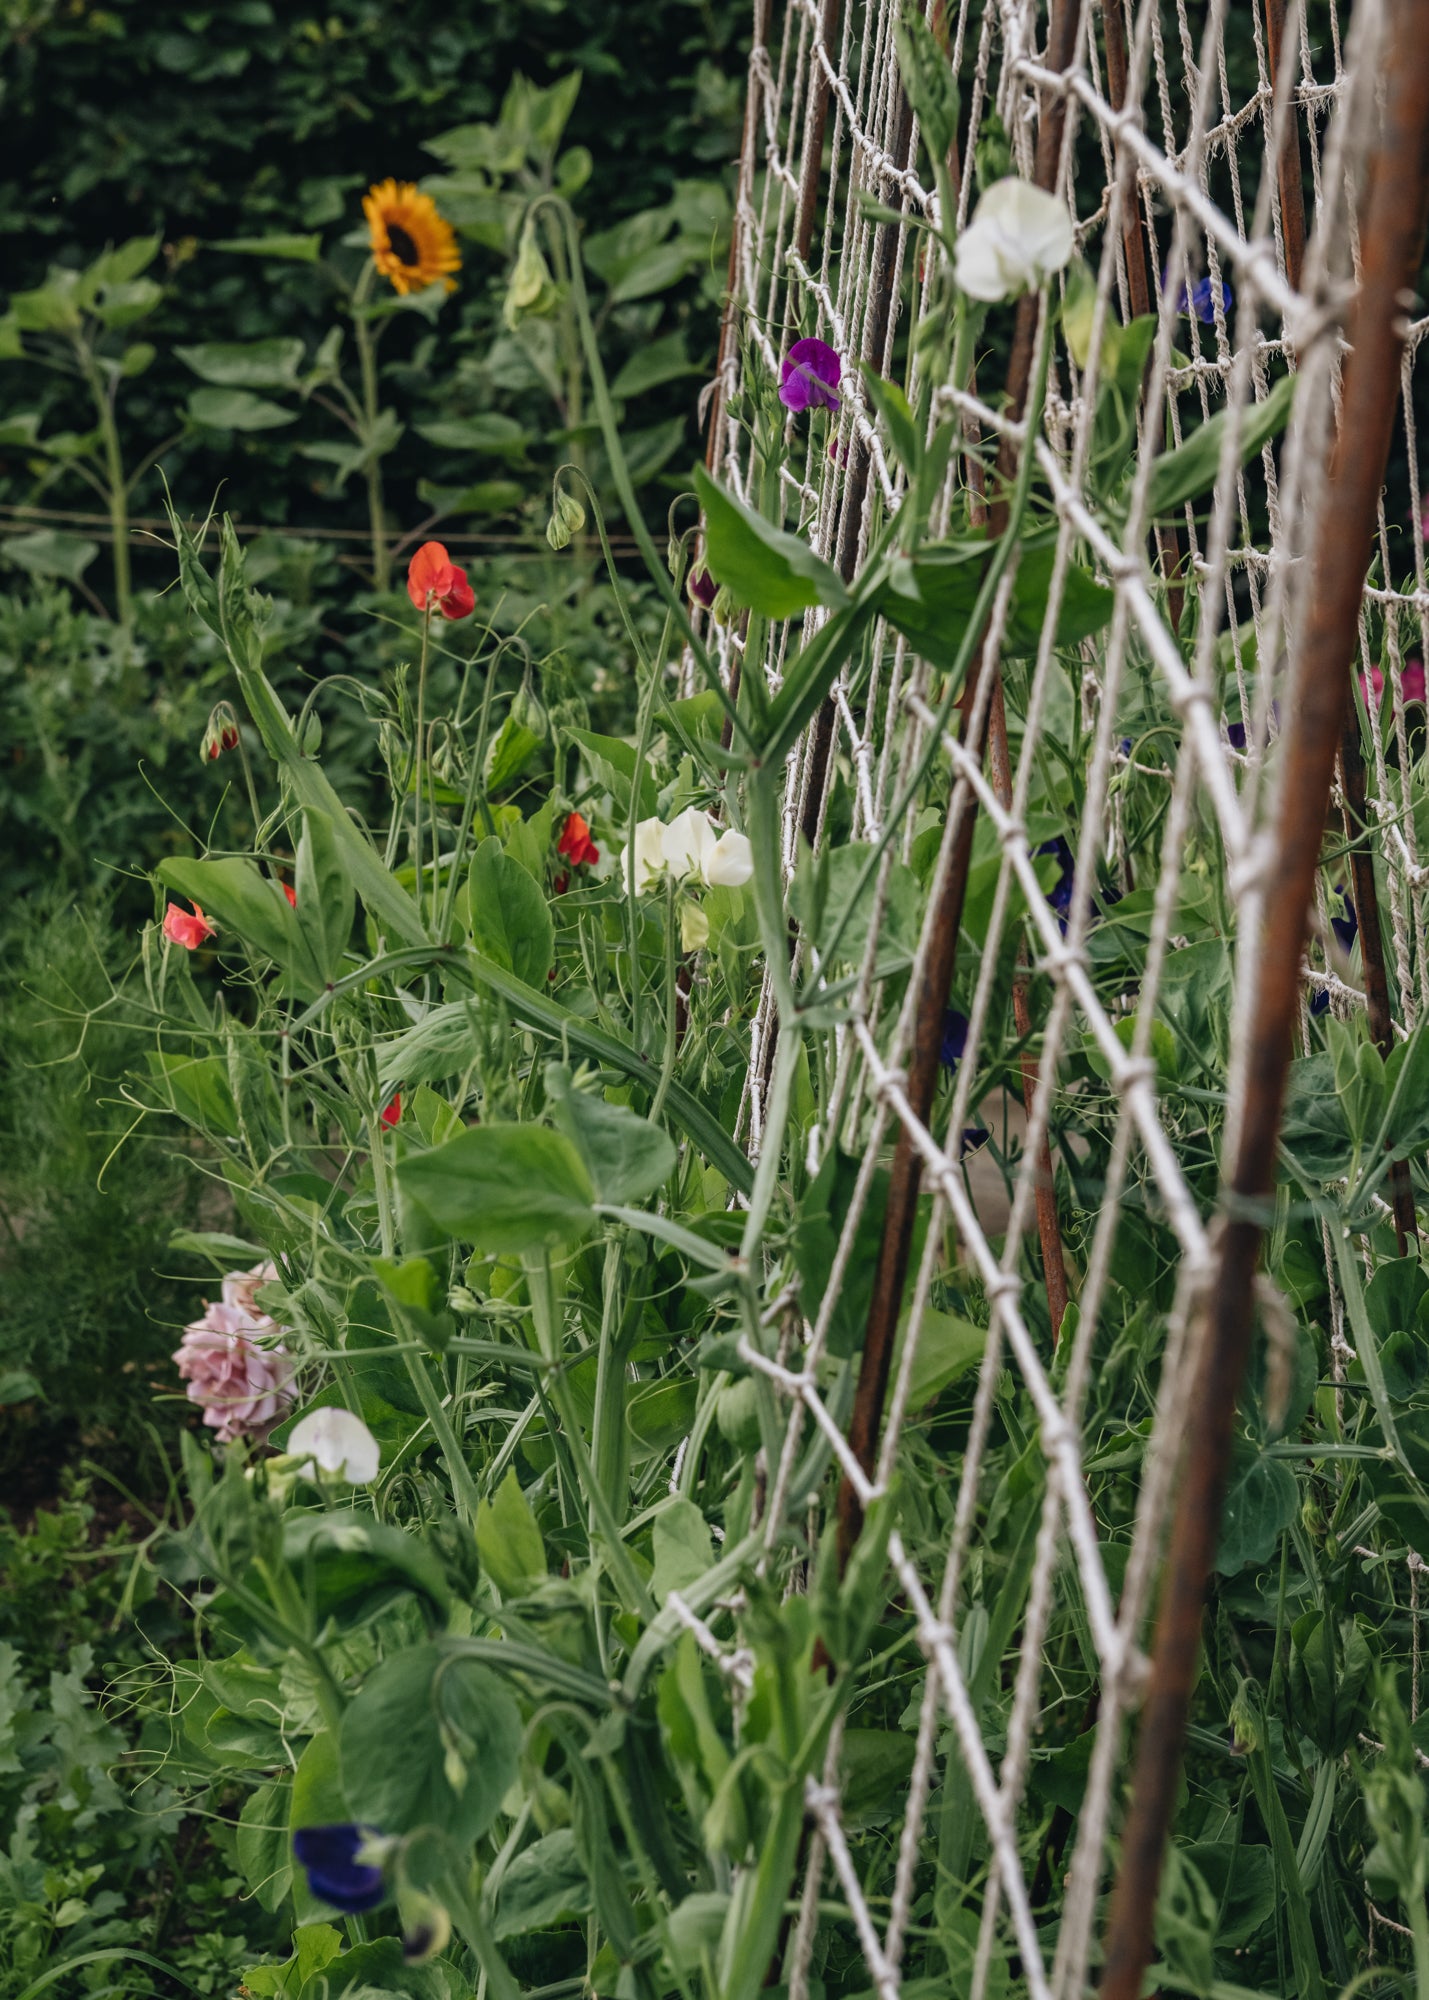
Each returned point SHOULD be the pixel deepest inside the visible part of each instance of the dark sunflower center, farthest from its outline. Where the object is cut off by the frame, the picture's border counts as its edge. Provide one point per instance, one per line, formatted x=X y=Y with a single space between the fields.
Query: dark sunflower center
x=402 y=243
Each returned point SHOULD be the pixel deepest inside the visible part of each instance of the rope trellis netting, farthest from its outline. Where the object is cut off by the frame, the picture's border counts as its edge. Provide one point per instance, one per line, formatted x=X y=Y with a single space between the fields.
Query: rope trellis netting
x=1130 y=579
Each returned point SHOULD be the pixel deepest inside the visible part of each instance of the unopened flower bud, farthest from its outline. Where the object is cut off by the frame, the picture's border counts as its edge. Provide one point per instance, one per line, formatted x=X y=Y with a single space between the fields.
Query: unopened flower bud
x=567 y=519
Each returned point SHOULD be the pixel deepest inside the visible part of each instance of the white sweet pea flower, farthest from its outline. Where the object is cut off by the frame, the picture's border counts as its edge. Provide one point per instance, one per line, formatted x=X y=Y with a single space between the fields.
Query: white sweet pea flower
x=336 y=1441
x=649 y=856
x=732 y=863
x=689 y=844
x=1017 y=238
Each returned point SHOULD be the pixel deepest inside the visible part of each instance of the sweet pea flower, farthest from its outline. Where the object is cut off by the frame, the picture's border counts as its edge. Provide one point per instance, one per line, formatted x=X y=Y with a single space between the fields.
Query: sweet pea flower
x=240 y=1288
x=695 y=851
x=392 y=1113
x=732 y=863
x=701 y=586
x=810 y=376
x=334 y=1440
x=242 y=1387
x=1019 y=235
x=182 y=928
x=435 y=582
x=649 y=855
x=1411 y=680
x=1201 y=301
x=291 y=893
x=954 y=1038
x=336 y=1861
x=576 y=844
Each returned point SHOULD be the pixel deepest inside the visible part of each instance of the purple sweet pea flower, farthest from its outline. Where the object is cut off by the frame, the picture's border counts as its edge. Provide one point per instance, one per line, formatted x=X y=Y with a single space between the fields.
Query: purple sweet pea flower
x=810 y=375
x=973 y=1137
x=1235 y=733
x=1346 y=928
x=1060 y=894
x=1320 y=1000
x=701 y=586
x=328 y=1855
x=1200 y=301
x=955 y=1037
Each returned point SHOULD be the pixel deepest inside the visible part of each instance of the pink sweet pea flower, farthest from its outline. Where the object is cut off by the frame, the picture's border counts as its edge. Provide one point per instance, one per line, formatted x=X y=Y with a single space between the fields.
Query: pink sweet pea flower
x=242 y=1387
x=188 y=930
x=810 y=377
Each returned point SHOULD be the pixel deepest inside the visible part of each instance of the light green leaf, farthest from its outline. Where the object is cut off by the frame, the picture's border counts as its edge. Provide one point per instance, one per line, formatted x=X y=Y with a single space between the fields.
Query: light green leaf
x=246 y=364
x=649 y=366
x=545 y=1883
x=238 y=897
x=293 y=249
x=495 y=435
x=237 y=410
x=47 y=552
x=683 y=1548
x=503 y=1188
x=626 y=1157
x=773 y=573
x=508 y=1539
x=1191 y=469
x=326 y=898
x=431 y=1740
x=510 y=919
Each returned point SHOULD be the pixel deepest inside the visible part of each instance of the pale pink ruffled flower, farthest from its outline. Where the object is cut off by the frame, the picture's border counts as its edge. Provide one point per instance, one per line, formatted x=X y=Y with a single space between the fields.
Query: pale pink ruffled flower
x=240 y=1288
x=243 y=1387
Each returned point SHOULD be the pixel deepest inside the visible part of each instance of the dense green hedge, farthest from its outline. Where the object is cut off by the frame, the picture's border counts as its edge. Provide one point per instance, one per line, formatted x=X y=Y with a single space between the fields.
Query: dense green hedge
x=247 y=119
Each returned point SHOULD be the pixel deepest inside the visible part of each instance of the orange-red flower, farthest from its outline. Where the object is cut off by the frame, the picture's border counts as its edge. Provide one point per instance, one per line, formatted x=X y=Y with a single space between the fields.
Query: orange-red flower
x=291 y=893
x=434 y=581
x=393 y=1112
x=412 y=245
x=189 y=931
x=576 y=844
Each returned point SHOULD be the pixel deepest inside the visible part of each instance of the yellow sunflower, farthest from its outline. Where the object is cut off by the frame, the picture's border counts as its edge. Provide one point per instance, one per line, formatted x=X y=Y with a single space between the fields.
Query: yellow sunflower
x=412 y=244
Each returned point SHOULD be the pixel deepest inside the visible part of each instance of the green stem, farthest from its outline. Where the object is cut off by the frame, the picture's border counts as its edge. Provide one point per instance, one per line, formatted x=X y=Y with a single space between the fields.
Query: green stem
x=667 y=1067
x=545 y=1316
x=419 y=750
x=367 y=362
x=116 y=486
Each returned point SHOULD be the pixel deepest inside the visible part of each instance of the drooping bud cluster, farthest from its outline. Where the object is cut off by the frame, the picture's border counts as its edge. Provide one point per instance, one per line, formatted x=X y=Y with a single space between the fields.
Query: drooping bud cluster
x=221 y=733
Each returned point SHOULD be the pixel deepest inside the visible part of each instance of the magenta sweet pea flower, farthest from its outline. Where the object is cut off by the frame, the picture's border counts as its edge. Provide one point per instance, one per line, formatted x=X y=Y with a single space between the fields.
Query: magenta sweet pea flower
x=810 y=373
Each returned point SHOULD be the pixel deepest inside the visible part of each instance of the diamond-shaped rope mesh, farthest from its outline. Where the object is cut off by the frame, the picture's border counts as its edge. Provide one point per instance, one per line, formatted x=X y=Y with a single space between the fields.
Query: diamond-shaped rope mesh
x=1177 y=130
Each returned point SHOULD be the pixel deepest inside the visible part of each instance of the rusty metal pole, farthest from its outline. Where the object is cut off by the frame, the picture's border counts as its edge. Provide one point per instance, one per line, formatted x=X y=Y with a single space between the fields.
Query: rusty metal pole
x=1392 y=237
x=937 y=976
x=1290 y=187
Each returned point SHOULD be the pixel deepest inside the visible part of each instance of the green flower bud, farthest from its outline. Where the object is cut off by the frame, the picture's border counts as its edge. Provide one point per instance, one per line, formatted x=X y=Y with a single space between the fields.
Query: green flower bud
x=567 y=519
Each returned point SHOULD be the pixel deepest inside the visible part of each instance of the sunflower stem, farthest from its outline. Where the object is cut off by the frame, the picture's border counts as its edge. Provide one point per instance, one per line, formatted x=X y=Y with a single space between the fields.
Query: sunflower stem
x=367 y=361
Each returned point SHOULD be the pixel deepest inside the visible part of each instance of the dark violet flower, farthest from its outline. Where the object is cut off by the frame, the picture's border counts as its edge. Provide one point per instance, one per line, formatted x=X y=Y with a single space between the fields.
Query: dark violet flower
x=973 y=1137
x=955 y=1037
x=1201 y=300
x=1060 y=894
x=329 y=1859
x=1236 y=733
x=1320 y=1000
x=810 y=376
x=1346 y=927
x=1126 y=746
x=701 y=586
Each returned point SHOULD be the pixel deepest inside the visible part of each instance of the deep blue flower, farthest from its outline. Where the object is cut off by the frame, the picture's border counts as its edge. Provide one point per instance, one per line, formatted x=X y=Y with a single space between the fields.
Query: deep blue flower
x=1346 y=928
x=1126 y=746
x=955 y=1037
x=1320 y=1000
x=1236 y=732
x=1201 y=300
x=328 y=1855
x=973 y=1137
x=1060 y=894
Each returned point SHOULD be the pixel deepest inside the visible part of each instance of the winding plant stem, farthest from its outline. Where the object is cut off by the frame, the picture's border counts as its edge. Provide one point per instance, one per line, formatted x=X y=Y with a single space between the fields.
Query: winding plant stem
x=418 y=750
x=116 y=487
x=672 y=1012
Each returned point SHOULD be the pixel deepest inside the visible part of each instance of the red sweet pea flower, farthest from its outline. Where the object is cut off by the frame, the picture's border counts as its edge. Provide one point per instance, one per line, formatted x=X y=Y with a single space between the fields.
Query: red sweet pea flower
x=393 y=1111
x=189 y=931
x=434 y=580
x=576 y=844
x=291 y=893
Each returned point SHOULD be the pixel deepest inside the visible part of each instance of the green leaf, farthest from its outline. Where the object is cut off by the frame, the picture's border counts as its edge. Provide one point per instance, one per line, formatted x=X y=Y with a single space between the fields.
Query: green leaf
x=626 y=1157
x=246 y=364
x=1262 y=1500
x=656 y=362
x=326 y=898
x=544 y=1884
x=874 y=1767
x=430 y=1740
x=947 y=1348
x=495 y=435
x=773 y=573
x=509 y=1541
x=292 y=249
x=503 y=1188
x=928 y=80
x=240 y=898
x=263 y=1844
x=1190 y=470
x=47 y=552
x=612 y=763
x=510 y=919
x=820 y=898
x=509 y=754
x=120 y=265
x=683 y=1548
x=891 y=404
x=822 y=1215
x=237 y=410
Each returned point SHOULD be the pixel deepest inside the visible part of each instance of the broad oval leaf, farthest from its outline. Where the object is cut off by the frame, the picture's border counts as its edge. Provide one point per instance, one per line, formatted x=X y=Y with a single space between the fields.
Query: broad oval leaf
x=503 y=1188
x=431 y=1739
x=773 y=573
